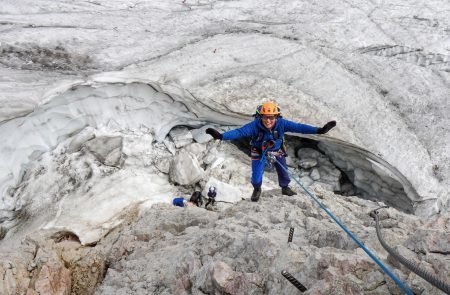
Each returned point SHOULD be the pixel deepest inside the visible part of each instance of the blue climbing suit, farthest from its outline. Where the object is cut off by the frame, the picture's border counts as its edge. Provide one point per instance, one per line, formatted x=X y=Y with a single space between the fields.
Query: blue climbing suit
x=180 y=202
x=261 y=136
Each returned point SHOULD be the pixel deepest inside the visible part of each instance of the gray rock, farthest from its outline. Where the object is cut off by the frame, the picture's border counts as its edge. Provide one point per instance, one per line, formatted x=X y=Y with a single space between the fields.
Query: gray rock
x=307 y=163
x=441 y=263
x=306 y=180
x=391 y=285
x=329 y=186
x=79 y=139
x=229 y=250
x=373 y=280
x=340 y=163
x=196 y=149
x=108 y=150
x=334 y=270
x=163 y=164
x=427 y=208
x=276 y=217
x=325 y=235
x=225 y=192
x=291 y=162
x=185 y=169
x=381 y=290
x=308 y=153
x=170 y=146
x=329 y=168
x=433 y=239
x=330 y=178
x=290 y=150
x=315 y=175
x=347 y=189
x=181 y=136
x=227 y=281
x=200 y=136
x=210 y=157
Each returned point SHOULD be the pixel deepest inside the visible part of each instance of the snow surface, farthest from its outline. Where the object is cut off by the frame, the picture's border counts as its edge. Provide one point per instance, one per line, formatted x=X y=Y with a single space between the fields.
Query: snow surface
x=139 y=68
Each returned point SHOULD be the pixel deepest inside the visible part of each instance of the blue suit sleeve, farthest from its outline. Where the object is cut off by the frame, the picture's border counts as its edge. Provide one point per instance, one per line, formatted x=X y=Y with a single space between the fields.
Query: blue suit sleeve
x=247 y=130
x=290 y=126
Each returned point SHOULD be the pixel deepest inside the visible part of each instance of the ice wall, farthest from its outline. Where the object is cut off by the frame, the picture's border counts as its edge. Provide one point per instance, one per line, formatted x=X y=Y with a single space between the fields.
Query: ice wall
x=121 y=107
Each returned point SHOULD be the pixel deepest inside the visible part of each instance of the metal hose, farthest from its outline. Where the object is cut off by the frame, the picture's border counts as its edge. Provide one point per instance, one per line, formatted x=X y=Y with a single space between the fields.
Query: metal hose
x=427 y=276
x=293 y=281
x=403 y=286
x=291 y=234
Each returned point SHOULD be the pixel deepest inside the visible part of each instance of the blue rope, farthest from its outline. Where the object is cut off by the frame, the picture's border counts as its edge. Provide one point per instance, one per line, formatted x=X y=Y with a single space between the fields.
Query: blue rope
x=404 y=287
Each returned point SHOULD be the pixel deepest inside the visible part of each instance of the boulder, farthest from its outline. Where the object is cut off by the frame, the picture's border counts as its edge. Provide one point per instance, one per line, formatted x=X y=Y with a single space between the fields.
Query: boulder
x=292 y=162
x=108 y=150
x=327 y=235
x=170 y=146
x=185 y=169
x=78 y=140
x=181 y=136
x=435 y=240
x=225 y=192
x=308 y=153
x=228 y=281
x=306 y=180
x=211 y=156
x=315 y=175
x=14 y=275
x=337 y=269
x=200 y=136
x=163 y=164
x=307 y=163
x=197 y=149
x=53 y=279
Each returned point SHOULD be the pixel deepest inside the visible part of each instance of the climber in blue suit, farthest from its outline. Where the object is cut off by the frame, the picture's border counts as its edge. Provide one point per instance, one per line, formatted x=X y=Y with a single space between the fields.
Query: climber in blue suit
x=267 y=131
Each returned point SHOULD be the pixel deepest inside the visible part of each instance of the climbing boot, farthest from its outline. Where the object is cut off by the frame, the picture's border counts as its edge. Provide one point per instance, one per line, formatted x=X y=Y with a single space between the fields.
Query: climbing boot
x=287 y=191
x=256 y=194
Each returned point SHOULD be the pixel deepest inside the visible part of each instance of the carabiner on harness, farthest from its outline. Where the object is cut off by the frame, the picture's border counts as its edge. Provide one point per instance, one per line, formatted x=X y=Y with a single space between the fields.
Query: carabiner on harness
x=271 y=158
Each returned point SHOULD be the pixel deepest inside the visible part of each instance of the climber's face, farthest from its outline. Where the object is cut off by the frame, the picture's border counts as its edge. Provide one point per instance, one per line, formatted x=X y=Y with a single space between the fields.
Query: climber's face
x=269 y=121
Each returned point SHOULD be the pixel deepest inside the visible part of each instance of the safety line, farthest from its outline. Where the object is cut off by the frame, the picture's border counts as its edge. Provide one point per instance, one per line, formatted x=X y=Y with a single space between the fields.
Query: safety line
x=404 y=287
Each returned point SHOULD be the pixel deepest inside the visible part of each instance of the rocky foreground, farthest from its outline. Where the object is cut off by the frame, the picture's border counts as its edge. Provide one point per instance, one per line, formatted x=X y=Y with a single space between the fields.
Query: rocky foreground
x=234 y=249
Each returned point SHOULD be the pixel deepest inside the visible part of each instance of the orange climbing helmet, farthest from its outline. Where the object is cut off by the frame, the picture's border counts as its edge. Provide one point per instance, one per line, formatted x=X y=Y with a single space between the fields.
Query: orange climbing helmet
x=268 y=108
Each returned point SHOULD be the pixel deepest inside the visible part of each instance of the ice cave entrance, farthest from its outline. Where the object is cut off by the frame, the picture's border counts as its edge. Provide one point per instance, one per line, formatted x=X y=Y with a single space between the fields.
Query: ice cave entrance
x=126 y=104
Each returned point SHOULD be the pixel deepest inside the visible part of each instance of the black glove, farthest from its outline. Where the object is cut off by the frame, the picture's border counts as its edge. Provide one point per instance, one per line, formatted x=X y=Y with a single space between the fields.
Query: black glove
x=214 y=133
x=327 y=127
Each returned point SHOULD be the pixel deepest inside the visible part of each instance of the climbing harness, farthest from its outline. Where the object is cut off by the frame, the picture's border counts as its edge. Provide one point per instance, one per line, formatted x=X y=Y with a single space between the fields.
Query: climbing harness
x=433 y=280
x=268 y=156
x=403 y=286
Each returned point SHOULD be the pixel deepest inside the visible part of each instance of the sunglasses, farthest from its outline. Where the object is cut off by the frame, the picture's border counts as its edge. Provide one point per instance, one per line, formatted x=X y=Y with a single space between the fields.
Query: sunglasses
x=269 y=118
